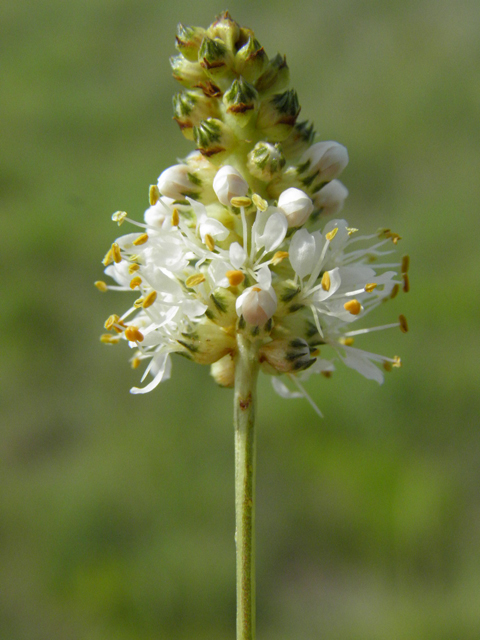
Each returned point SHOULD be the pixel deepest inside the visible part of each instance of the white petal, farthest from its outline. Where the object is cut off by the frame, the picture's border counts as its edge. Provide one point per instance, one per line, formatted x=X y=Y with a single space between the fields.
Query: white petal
x=283 y=390
x=237 y=255
x=359 y=360
x=302 y=253
x=163 y=365
x=275 y=231
x=193 y=308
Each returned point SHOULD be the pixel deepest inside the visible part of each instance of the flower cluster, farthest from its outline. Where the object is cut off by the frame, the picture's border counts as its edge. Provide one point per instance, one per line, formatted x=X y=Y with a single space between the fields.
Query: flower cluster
x=234 y=241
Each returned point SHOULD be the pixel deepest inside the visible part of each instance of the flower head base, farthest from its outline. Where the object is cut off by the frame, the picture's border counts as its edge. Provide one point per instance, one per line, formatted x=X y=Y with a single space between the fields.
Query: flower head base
x=234 y=243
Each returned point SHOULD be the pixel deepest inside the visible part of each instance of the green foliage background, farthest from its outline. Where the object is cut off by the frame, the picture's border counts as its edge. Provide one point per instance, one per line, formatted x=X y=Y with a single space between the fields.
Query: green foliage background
x=116 y=512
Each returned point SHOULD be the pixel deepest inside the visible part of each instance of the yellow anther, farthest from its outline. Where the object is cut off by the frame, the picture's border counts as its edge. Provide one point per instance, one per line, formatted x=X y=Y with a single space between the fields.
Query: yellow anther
x=256 y=289
x=135 y=363
x=119 y=217
x=370 y=287
x=149 y=299
x=278 y=257
x=107 y=338
x=175 y=218
x=210 y=242
x=351 y=230
x=315 y=353
x=331 y=234
x=405 y=264
x=240 y=201
x=111 y=321
x=117 y=256
x=259 y=202
x=346 y=341
x=138 y=303
x=386 y=233
x=403 y=323
x=135 y=282
x=387 y=365
x=235 y=277
x=133 y=334
x=395 y=290
x=406 y=283
x=353 y=306
x=108 y=259
x=141 y=239
x=326 y=281
x=396 y=362
x=132 y=268
x=153 y=194
x=101 y=286
x=195 y=279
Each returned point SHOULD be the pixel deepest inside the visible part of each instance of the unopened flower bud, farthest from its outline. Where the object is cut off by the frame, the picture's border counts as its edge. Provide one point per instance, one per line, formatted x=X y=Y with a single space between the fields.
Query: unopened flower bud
x=208 y=343
x=325 y=159
x=178 y=183
x=212 y=137
x=251 y=60
x=331 y=198
x=299 y=140
x=223 y=371
x=278 y=114
x=190 y=108
x=226 y=29
x=229 y=183
x=265 y=160
x=215 y=59
x=257 y=305
x=296 y=206
x=188 y=41
x=286 y=355
x=187 y=73
x=240 y=101
x=275 y=77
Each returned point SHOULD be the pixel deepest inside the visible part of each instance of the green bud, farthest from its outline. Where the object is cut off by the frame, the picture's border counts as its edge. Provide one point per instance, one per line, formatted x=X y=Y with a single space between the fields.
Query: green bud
x=278 y=115
x=301 y=137
x=240 y=101
x=187 y=73
x=284 y=356
x=208 y=342
x=190 y=108
x=251 y=60
x=265 y=161
x=226 y=29
x=215 y=59
x=221 y=307
x=275 y=77
x=188 y=41
x=213 y=138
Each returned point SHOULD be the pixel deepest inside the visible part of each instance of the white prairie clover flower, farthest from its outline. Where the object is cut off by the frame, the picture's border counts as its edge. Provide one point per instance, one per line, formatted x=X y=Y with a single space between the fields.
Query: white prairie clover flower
x=296 y=206
x=251 y=261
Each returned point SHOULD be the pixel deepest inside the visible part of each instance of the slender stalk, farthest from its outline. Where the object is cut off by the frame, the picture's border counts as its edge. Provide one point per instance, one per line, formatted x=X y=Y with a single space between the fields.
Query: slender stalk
x=246 y=371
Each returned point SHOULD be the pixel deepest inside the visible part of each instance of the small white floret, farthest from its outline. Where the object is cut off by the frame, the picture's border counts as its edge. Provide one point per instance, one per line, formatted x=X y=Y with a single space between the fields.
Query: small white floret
x=296 y=206
x=229 y=183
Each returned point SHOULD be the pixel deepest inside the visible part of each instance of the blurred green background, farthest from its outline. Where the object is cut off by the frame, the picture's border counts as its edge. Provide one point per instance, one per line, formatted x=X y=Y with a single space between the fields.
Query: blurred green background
x=116 y=511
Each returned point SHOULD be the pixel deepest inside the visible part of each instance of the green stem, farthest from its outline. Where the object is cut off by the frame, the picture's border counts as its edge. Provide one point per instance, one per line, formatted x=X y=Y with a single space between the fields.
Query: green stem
x=246 y=371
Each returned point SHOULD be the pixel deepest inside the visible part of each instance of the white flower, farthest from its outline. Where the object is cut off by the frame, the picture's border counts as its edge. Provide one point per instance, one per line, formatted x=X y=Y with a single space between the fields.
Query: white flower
x=331 y=198
x=296 y=206
x=229 y=183
x=175 y=182
x=328 y=159
x=258 y=303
